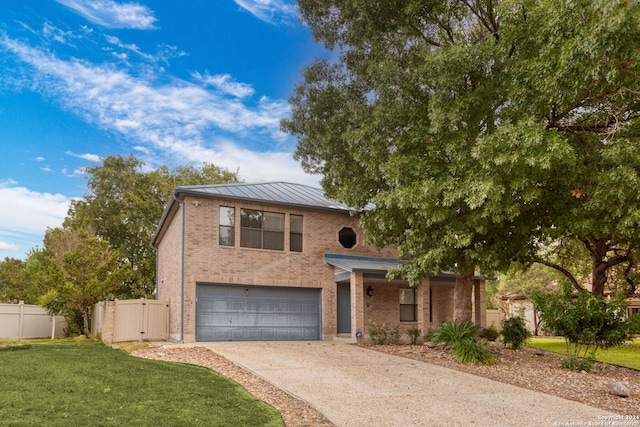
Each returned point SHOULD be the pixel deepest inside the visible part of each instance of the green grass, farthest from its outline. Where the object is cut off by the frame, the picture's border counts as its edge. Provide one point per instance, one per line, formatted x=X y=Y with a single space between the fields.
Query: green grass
x=63 y=383
x=627 y=355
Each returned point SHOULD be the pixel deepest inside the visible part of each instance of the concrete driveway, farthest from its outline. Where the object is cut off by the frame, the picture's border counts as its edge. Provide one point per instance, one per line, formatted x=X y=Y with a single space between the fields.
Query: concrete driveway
x=354 y=386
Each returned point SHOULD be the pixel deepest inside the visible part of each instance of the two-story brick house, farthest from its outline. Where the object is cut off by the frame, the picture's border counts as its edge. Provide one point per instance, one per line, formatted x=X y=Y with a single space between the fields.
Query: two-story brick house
x=280 y=261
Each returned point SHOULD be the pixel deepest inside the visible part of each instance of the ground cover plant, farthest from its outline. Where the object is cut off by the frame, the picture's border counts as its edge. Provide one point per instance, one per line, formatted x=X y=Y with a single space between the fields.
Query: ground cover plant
x=627 y=355
x=69 y=383
x=461 y=339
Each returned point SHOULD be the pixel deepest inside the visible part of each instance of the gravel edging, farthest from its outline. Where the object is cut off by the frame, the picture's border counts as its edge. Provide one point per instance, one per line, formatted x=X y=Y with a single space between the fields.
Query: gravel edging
x=294 y=412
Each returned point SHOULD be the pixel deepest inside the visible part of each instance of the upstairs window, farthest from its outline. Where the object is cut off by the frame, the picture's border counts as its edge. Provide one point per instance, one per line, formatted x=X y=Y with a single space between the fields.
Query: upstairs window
x=227 y=232
x=408 y=305
x=261 y=230
x=295 y=233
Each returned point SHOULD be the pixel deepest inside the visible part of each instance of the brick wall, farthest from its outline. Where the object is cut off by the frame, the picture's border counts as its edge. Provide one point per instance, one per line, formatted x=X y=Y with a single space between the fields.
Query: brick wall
x=208 y=262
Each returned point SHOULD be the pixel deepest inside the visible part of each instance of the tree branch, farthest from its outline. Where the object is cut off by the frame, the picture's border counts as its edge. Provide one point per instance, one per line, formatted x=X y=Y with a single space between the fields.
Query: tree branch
x=562 y=270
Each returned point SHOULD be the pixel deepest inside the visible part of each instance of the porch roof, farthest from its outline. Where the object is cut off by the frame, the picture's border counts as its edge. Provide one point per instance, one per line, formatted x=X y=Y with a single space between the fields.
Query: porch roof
x=378 y=267
x=362 y=264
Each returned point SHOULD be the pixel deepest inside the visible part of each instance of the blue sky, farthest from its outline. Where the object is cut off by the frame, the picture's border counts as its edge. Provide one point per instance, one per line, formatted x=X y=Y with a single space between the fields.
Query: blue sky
x=174 y=83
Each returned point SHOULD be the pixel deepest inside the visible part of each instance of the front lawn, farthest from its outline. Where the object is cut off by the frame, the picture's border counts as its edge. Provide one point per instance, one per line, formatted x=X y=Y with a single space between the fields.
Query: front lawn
x=627 y=355
x=68 y=383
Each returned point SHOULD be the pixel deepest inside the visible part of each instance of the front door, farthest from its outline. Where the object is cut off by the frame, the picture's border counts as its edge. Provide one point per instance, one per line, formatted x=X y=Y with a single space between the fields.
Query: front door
x=344 y=309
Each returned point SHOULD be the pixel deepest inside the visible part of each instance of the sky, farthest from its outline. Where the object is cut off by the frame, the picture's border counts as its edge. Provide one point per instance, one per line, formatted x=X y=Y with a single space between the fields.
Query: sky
x=173 y=83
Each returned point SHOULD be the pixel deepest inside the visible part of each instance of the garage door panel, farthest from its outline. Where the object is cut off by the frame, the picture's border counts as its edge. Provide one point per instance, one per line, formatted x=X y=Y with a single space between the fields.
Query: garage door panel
x=246 y=313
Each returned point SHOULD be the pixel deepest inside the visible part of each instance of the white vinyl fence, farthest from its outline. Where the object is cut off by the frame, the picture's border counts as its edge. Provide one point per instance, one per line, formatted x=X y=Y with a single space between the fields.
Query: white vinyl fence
x=29 y=321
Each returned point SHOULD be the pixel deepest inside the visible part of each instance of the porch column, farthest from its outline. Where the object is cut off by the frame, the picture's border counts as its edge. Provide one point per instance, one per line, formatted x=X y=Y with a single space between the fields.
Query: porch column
x=357 y=302
x=423 y=294
x=480 y=303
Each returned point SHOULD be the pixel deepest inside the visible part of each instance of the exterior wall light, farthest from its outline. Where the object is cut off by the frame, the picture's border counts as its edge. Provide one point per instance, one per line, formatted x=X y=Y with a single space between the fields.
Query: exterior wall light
x=369 y=291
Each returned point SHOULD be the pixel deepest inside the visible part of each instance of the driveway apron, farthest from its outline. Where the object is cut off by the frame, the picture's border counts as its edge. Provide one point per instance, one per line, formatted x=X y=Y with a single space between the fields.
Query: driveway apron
x=355 y=386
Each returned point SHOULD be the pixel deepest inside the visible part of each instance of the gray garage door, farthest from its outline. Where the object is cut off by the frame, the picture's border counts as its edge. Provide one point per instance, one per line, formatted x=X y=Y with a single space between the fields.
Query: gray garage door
x=256 y=313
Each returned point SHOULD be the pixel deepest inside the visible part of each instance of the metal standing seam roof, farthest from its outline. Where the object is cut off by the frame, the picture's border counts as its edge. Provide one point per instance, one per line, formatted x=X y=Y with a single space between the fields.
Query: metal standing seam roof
x=282 y=193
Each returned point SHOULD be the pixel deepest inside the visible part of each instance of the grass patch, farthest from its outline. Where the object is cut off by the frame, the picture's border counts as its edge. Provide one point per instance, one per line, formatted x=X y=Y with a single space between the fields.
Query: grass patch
x=627 y=355
x=67 y=383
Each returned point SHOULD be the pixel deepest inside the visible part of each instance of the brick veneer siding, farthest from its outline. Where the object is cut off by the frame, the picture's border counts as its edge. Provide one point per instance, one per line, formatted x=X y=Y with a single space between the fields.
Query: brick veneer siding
x=208 y=262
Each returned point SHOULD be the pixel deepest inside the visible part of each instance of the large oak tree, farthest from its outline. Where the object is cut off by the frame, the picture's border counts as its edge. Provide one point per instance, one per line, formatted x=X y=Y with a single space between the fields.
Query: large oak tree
x=479 y=131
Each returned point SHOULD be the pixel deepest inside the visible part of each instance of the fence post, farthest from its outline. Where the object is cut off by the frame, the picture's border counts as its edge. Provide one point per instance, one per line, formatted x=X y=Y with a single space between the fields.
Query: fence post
x=20 y=318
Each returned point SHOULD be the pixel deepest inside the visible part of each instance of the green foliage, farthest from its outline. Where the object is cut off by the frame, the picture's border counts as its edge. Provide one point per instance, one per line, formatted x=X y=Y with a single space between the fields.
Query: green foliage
x=123 y=204
x=454 y=331
x=90 y=270
x=472 y=352
x=491 y=333
x=462 y=341
x=577 y=363
x=479 y=131
x=414 y=334
x=377 y=333
x=68 y=383
x=393 y=336
x=589 y=322
x=515 y=332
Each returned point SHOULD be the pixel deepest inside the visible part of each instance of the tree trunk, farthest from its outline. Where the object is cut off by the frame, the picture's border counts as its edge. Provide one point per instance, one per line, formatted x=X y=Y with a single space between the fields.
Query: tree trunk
x=85 y=320
x=463 y=291
x=599 y=249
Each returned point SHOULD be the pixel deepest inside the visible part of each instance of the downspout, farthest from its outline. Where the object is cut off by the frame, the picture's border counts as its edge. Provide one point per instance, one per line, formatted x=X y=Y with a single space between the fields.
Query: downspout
x=181 y=202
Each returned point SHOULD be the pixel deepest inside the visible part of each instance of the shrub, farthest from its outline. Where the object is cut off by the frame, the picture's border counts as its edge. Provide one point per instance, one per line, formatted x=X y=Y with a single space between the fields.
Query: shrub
x=428 y=336
x=586 y=321
x=491 y=333
x=471 y=351
x=414 y=334
x=577 y=363
x=377 y=333
x=393 y=336
x=514 y=332
x=450 y=332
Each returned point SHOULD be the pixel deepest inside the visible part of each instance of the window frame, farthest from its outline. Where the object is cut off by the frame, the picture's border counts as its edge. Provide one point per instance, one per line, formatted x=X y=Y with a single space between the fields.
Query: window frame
x=231 y=229
x=265 y=236
x=299 y=245
x=412 y=307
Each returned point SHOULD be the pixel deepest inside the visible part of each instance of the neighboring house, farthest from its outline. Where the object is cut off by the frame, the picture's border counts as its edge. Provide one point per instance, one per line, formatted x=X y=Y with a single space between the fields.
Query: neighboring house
x=517 y=304
x=280 y=261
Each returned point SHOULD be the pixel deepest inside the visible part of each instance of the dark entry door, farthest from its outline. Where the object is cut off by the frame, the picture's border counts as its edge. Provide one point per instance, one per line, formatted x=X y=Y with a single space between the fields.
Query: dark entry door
x=344 y=309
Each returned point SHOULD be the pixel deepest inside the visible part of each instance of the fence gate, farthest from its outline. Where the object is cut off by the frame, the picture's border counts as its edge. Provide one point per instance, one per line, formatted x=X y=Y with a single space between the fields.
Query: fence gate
x=140 y=320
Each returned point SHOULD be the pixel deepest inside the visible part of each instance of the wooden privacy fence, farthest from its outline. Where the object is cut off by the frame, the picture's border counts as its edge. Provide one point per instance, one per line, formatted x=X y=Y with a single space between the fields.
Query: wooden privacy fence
x=131 y=320
x=29 y=321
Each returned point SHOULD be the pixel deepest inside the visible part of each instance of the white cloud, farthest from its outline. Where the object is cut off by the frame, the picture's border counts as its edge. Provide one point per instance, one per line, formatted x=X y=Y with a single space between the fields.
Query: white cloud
x=111 y=14
x=26 y=213
x=87 y=156
x=4 y=246
x=271 y=11
x=226 y=84
x=161 y=116
x=39 y=159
